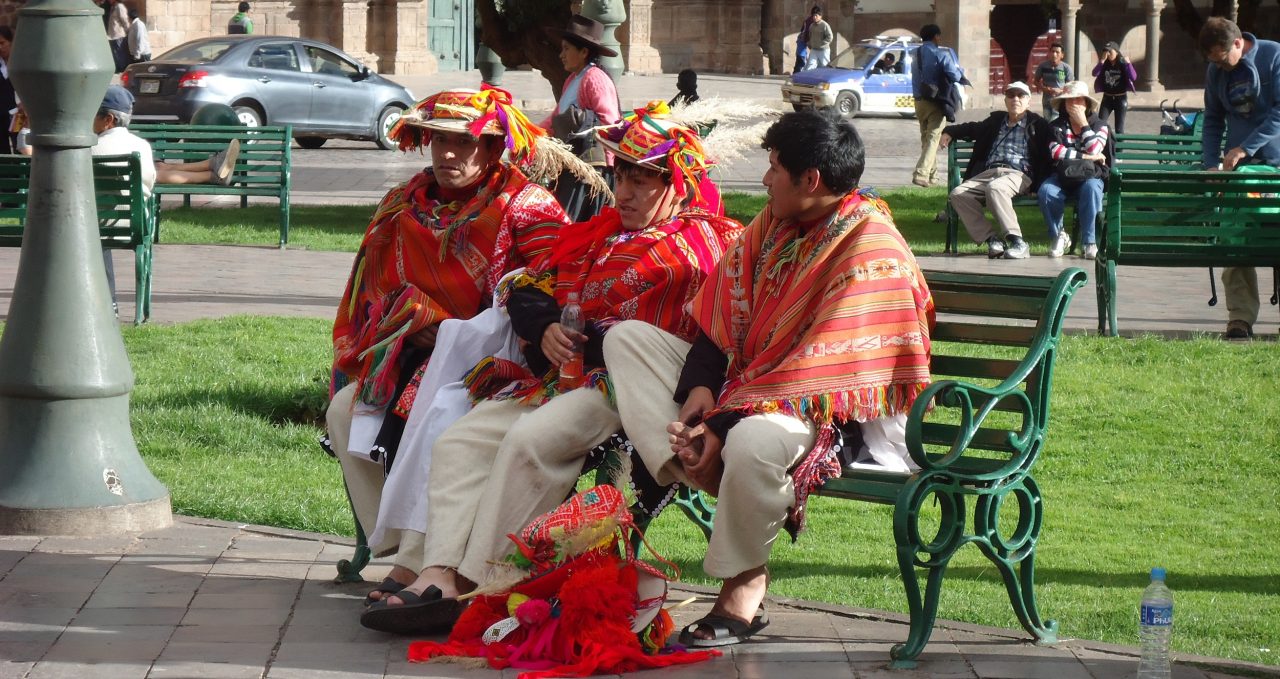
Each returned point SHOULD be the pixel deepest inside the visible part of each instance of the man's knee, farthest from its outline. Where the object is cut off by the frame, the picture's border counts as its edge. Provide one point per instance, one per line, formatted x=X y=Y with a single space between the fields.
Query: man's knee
x=338 y=414
x=624 y=338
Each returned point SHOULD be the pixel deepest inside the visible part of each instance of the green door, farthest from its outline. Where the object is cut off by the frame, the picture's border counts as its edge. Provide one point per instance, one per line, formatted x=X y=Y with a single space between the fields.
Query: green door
x=450 y=34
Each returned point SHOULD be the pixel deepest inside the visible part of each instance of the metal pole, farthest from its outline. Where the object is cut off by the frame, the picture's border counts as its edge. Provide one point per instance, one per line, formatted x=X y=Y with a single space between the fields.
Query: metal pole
x=66 y=448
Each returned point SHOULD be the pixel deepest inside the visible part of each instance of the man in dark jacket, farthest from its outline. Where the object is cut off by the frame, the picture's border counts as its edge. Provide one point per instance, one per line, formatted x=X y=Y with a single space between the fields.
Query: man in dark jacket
x=1010 y=158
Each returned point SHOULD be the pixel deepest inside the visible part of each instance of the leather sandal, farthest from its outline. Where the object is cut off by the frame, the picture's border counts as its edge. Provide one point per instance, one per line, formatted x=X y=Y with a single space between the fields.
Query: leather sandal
x=387 y=586
x=423 y=614
x=725 y=631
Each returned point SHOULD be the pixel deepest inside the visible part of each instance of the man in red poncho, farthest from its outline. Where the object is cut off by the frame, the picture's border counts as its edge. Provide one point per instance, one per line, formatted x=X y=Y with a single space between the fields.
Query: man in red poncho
x=435 y=249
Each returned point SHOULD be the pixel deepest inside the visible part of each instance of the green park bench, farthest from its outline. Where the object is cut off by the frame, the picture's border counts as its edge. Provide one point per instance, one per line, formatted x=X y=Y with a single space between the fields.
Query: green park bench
x=126 y=217
x=1185 y=219
x=976 y=432
x=262 y=169
x=1156 y=152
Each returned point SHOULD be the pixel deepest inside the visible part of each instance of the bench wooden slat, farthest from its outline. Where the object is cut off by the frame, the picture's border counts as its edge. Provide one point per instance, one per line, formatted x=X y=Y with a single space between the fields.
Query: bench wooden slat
x=262 y=169
x=1001 y=306
x=982 y=333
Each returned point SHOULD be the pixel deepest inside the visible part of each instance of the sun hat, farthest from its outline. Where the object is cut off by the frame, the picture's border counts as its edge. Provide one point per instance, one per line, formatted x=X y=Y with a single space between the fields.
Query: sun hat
x=1074 y=89
x=1019 y=86
x=584 y=32
x=648 y=137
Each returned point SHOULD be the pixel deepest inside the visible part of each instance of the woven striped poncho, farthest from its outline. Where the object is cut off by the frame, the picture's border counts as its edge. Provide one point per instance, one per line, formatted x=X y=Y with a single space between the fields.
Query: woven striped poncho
x=648 y=275
x=423 y=261
x=830 y=325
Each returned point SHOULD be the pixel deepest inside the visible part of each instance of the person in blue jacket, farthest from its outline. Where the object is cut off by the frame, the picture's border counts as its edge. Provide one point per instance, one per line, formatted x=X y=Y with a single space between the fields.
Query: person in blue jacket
x=932 y=79
x=1241 y=86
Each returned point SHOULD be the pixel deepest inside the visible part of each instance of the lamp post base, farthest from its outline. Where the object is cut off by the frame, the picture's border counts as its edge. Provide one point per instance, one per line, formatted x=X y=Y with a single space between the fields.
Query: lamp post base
x=138 y=517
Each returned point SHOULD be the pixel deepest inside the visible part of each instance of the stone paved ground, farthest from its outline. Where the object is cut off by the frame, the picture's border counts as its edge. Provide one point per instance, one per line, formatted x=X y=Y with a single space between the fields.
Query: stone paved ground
x=212 y=599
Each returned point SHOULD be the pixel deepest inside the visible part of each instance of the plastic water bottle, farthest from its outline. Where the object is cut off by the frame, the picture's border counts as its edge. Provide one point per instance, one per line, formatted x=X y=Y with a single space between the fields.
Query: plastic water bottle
x=1155 y=623
x=572 y=322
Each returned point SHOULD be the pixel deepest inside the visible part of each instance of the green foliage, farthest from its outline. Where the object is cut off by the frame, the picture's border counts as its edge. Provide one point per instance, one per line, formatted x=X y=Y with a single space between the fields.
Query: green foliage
x=1159 y=452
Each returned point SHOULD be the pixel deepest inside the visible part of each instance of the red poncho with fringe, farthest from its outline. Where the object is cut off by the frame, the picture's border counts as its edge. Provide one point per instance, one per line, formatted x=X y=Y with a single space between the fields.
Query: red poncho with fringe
x=829 y=324
x=424 y=260
x=650 y=275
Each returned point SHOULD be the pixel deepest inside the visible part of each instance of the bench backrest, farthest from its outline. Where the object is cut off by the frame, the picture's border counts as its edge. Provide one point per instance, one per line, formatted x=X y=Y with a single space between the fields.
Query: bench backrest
x=1158 y=152
x=264 y=151
x=1201 y=218
x=123 y=210
x=1000 y=332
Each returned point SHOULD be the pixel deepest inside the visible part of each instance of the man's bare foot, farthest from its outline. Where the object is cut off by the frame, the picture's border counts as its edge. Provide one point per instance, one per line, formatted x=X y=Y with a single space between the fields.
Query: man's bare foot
x=399 y=574
x=449 y=582
x=740 y=598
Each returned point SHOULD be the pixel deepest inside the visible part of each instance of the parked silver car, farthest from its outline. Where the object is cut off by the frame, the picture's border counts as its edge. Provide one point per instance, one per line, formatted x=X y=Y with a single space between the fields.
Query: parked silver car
x=271 y=80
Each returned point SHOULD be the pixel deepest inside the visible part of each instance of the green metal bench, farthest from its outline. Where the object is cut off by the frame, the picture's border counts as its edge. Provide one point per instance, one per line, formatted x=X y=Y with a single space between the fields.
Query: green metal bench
x=126 y=216
x=262 y=169
x=1185 y=219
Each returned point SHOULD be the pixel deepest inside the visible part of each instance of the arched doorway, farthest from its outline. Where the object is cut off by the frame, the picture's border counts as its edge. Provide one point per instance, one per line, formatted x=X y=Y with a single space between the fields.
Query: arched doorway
x=1016 y=28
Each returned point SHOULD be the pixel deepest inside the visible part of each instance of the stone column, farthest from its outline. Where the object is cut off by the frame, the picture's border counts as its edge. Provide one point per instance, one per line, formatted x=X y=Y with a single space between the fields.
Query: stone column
x=1150 y=80
x=408 y=25
x=966 y=26
x=1070 y=34
x=352 y=34
x=640 y=55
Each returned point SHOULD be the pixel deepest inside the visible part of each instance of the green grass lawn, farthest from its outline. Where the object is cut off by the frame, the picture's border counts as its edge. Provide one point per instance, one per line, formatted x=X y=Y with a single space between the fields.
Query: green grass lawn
x=340 y=227
x=1159 y=453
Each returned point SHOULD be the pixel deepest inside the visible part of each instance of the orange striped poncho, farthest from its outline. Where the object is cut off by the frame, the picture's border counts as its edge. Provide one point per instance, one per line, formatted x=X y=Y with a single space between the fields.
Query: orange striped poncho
x=650 y=275
x=829 y=325
x=423 y=261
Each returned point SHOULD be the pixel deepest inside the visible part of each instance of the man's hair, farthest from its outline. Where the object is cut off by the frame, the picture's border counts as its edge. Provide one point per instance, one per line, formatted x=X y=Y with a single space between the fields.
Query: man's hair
x=817 y=9
x=6 y=32
x=120 y=118
x=1218 y=33
x=133 y=13
x=1057 y=46
x=820 y=140
x=930 y=31
x=242 y=7
x=625 y=168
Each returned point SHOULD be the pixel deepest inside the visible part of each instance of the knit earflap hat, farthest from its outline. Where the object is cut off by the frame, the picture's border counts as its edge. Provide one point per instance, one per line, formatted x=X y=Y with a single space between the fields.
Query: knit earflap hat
x=649 y=138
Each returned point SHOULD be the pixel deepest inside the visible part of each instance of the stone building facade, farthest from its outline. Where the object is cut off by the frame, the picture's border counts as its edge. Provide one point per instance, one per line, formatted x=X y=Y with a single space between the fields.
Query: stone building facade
x=726 y=36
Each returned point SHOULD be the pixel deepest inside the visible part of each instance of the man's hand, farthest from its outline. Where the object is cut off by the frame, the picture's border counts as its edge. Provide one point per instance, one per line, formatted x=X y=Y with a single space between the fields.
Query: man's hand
x=1233 y=158
x=425 y=338
x=698 y=449
x=696 y=404
x=944 y=141
x=558 y=343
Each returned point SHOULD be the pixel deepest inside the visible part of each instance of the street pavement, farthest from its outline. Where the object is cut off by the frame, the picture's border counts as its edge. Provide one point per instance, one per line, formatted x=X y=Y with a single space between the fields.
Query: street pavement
x=211 y=599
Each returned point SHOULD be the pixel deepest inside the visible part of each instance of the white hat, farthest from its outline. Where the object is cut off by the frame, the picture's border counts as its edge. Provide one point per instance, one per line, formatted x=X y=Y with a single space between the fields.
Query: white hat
x=1074 y=89
x=1019 y=86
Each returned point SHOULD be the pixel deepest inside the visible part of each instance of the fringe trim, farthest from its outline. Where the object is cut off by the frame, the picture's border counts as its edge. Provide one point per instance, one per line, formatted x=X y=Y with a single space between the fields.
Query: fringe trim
x=859 y=405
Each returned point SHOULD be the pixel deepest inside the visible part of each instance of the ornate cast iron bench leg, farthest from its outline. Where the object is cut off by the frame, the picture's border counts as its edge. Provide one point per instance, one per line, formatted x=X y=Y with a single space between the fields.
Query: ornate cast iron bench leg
x=1015 y=555
x=914 y=552
x=349 y=569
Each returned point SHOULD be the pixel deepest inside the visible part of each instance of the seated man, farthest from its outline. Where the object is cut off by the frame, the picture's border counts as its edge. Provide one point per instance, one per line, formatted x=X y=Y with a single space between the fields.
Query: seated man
x=1010 y=158
x=519 y=453
x=436 y=248
x=111 y=125
x=885 y=65
x=817 y=317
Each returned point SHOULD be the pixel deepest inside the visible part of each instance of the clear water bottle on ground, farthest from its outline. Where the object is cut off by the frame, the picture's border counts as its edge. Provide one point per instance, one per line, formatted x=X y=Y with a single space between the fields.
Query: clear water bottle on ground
x=572 y=321
x=1155 y=623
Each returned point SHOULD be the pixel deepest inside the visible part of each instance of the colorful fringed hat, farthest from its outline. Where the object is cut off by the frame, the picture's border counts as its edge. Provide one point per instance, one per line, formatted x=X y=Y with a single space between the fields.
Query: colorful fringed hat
x=490 y=110
x=649 y=138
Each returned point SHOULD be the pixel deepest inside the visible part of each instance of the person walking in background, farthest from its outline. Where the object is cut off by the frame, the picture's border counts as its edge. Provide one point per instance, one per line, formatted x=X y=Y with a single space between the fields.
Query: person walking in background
x=936 y=73
x=240 y=24
x=1241 y=93
x=588 y=100
x=686 y=88
x=137 y=41
x=802 y=46
x=1114 y=78
x=1051 y=75
x=818 y=39
x=8 y=97
x=117 y=32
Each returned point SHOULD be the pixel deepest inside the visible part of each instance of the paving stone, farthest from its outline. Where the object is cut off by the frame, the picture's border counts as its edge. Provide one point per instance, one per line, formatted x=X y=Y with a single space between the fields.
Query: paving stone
x=754 y=669
x=134 y=599
x=203 y=669
x=343 y=630
x=95 y=633
x=102 y=545
x=926 y=669
x=245 y=654
x=11 y=598
x=242 y=601
x=29 y=645
x=247 y=633
x=13 y=669
x=83 y=670
x=1030 y=668
x=127 y=649
x=248 y=586
x=57 y=617
x=120 y=617
x=231 y=616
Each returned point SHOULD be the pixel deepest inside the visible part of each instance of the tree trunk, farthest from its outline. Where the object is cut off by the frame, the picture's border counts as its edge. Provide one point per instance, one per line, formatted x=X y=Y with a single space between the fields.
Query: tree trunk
x=516 y=34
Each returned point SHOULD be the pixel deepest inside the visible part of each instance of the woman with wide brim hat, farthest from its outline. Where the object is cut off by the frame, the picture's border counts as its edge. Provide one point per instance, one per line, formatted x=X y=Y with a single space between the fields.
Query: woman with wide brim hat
x=1083 y=153
x=587 y=100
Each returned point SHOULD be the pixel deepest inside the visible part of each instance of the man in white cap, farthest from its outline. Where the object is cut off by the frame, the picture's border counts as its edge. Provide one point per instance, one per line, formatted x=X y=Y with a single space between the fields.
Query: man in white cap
x=1010 y=158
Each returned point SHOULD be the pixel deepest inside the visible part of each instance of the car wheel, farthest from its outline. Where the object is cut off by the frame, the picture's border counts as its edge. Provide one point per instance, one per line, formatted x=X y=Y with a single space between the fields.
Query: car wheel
x=386 y=120
x=311 y=142
x=847 y=104
x=249 y=115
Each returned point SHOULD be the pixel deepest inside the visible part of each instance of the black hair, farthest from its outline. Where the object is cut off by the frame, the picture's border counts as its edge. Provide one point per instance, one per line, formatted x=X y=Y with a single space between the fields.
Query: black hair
x=593 y=52
x=1057 y=45
x=817 y=9
x=242 y=7
x=821 y=140
x=929 y=32
x=6 y=32
x=1218 y=33
x=133 y=13
x=623 y=167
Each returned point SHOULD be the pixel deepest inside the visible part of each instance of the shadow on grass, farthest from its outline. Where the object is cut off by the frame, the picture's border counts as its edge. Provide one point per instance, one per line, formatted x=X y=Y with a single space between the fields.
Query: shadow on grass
x=279 y=405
